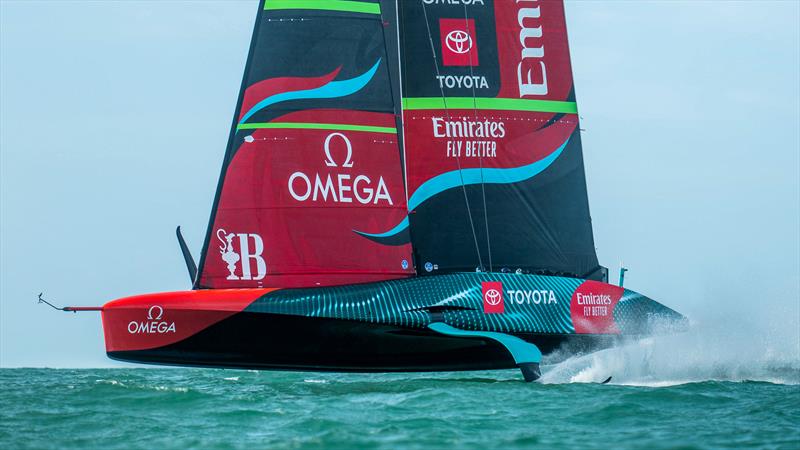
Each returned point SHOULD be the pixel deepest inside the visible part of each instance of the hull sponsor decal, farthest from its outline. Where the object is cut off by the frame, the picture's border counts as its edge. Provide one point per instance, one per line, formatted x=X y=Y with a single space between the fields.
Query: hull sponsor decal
x=592 y=308
x=493 y=297
x=155 y=320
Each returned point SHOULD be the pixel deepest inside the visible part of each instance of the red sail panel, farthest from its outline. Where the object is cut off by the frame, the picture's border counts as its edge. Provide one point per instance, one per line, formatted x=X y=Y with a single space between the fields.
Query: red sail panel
x=533 y=51
x=294 y=197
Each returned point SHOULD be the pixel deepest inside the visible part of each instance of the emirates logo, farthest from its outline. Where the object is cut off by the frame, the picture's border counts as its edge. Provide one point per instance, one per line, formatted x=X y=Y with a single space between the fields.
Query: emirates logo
x=458 y=41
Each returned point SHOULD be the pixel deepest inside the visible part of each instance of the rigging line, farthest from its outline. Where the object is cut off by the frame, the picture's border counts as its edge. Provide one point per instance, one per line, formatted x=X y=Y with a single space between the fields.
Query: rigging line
x=458 y=159
x=480 y=156
x=401 y=139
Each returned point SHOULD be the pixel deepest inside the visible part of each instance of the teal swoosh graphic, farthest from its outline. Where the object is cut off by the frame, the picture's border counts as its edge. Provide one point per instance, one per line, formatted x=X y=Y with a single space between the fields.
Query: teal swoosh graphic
x=448 y=180
x=332 y=89
x=521 y=351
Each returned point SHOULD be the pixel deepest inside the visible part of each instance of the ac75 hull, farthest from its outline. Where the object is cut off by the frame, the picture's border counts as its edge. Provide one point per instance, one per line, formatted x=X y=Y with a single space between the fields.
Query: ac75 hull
x=386 y=326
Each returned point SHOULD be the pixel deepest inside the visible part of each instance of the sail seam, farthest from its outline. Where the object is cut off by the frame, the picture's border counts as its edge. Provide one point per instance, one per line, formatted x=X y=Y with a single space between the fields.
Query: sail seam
x=500 y=104
x=316 y=126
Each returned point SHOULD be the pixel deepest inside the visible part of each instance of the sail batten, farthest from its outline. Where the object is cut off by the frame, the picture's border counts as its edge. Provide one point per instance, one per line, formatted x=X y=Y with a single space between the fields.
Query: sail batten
x=317 y=126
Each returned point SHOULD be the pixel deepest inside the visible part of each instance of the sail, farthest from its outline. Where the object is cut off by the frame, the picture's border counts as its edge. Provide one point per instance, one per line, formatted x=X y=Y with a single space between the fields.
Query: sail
x=314 y=155
x=494 y=162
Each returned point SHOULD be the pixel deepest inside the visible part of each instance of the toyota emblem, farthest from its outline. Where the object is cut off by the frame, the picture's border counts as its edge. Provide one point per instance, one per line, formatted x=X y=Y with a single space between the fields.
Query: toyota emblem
x=458 y=41
x=493 y=297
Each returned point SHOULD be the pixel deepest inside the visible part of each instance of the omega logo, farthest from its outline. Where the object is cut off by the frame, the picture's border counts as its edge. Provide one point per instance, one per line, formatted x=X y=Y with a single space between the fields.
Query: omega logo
x=155 y=312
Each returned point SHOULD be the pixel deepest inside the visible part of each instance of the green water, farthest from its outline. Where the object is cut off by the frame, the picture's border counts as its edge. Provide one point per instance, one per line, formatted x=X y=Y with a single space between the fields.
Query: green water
x=206 y=408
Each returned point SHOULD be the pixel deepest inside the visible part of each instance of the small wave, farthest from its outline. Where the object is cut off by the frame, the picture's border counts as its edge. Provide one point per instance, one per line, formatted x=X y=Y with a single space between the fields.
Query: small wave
x=110 y=382
x=171 y=389
x=140 y=386
x=309 y=380
x=231 y=378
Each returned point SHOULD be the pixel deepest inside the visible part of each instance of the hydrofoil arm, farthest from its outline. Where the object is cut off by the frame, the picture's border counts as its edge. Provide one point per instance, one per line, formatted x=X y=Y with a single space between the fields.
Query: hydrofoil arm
x=526 y=355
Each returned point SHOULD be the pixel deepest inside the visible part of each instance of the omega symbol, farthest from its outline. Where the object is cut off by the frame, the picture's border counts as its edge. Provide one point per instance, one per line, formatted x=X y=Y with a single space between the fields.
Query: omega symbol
x=155 y=312
x=329 y=161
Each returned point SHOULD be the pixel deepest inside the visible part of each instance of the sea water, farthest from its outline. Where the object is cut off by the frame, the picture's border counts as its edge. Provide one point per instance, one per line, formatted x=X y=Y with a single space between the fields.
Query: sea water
x=692 y=390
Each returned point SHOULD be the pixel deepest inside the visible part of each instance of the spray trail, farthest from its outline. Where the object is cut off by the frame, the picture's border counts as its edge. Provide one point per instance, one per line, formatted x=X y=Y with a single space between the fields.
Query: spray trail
x=705 y=352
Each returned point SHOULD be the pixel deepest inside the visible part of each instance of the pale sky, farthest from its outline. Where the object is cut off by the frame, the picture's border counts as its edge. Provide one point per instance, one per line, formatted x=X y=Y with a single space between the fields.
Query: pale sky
x=114 y=117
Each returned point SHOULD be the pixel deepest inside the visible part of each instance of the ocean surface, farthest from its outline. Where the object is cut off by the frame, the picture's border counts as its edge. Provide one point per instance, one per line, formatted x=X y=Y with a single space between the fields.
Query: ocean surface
x=656 y=399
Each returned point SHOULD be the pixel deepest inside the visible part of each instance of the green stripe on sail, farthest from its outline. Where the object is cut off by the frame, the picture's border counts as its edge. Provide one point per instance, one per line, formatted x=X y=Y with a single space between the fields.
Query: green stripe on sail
x=504 y=104
x=316 y=126
x=328 y=5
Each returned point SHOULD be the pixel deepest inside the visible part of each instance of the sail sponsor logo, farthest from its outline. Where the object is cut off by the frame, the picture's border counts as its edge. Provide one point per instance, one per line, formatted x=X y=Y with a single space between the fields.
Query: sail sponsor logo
x=462 y=81
x=154 y=323
x=458 y=42
x=531 y=70
x=493 y=297
x=336 y=186
x=461 y=134
x=245 y=251
x=467 y=128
